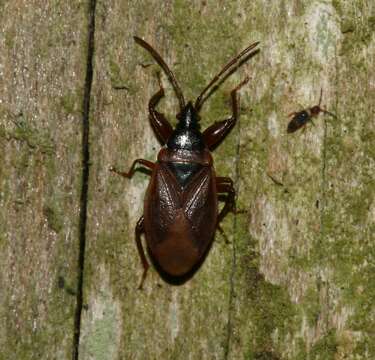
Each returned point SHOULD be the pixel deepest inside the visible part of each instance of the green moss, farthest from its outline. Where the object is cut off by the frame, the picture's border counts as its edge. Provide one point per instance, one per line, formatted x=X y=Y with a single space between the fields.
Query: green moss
x=3 y=131
x=70 y=102
x=270 y=310
x=312 y=306
x=110 y=246
x=337 y=4
x=261 y=355
x=62 y=284
x=36 y=140
x=3 y=240
x=115 y=75
x=359 y=204
x=347 y=26
x=371 y=23
x=115 y=71
x=9 y=38
x=365 y=346
x=54 y=218
x=325 y=348
x=193 y=66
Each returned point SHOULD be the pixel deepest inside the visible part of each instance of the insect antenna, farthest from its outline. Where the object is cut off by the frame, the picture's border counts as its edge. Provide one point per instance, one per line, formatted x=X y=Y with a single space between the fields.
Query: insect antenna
x=320 y=98
x=329 y=113
x=166 y=69
x=200 y=100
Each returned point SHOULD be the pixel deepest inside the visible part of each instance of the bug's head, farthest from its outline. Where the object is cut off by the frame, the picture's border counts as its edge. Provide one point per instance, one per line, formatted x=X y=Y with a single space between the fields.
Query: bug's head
x=187 y=135
x=315 y=110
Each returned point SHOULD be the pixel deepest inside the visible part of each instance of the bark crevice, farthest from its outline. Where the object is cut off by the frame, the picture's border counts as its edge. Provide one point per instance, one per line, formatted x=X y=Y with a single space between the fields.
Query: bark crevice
x=85 y=146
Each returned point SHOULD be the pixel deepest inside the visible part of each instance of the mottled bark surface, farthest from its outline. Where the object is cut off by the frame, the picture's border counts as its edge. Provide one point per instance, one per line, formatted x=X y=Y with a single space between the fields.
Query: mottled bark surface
x=42 y=71
x=296 y=280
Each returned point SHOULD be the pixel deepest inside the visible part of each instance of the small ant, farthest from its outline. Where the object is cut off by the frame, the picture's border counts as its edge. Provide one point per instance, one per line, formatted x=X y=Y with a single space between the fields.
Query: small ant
x=301 y=118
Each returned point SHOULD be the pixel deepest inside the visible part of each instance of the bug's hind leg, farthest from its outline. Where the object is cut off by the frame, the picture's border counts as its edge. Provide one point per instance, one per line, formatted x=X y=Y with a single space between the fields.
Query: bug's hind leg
x=225 y=189
x=160 y=124
x=128 y=175
x=139 y=230
x=214 y=134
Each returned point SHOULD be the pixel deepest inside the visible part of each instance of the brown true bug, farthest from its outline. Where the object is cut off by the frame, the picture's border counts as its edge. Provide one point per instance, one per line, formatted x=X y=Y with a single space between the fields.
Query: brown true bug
x=301 y=118
x=181 y=203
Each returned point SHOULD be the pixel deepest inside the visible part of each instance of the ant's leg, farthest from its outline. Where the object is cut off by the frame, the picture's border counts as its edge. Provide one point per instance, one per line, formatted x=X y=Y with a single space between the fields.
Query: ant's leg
x=160 y=124
x=139 y=230
x=214 y=134
x=130 y=173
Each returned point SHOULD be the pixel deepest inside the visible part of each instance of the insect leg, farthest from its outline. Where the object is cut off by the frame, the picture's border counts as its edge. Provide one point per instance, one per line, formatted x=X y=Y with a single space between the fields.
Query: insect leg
x=139 y=230
x=227 y=182
x=160 y=124
x=130 y=173
x=329 y=113
x=225 y=185
x=222 y=179
x=214 y=134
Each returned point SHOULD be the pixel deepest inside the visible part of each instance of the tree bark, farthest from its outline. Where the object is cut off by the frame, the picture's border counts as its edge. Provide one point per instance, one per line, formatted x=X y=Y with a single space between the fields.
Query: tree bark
x=295 y=281
x=42 y=72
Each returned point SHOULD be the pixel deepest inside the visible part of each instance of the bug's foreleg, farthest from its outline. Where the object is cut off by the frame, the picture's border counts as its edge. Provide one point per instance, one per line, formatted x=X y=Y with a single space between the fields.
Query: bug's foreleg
x=139 y=230
x=148 y=164
x=160 y=124
x=214 y=134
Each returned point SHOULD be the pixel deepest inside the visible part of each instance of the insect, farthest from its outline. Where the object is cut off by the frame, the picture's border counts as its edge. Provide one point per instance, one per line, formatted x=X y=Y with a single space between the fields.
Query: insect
x=301 y=118
x=181 y=210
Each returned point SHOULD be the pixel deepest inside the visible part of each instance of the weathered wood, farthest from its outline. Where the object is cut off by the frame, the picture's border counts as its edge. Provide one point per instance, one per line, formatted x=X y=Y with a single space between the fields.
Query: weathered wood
x=296 y=280
x=297 y=275
x=42 y=71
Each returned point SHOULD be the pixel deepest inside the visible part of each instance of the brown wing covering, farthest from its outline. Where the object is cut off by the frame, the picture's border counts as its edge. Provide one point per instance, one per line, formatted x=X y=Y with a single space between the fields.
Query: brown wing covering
x=180 y=223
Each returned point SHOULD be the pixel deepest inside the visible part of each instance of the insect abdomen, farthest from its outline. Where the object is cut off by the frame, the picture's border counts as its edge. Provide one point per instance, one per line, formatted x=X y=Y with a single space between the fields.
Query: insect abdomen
x=299 y=120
